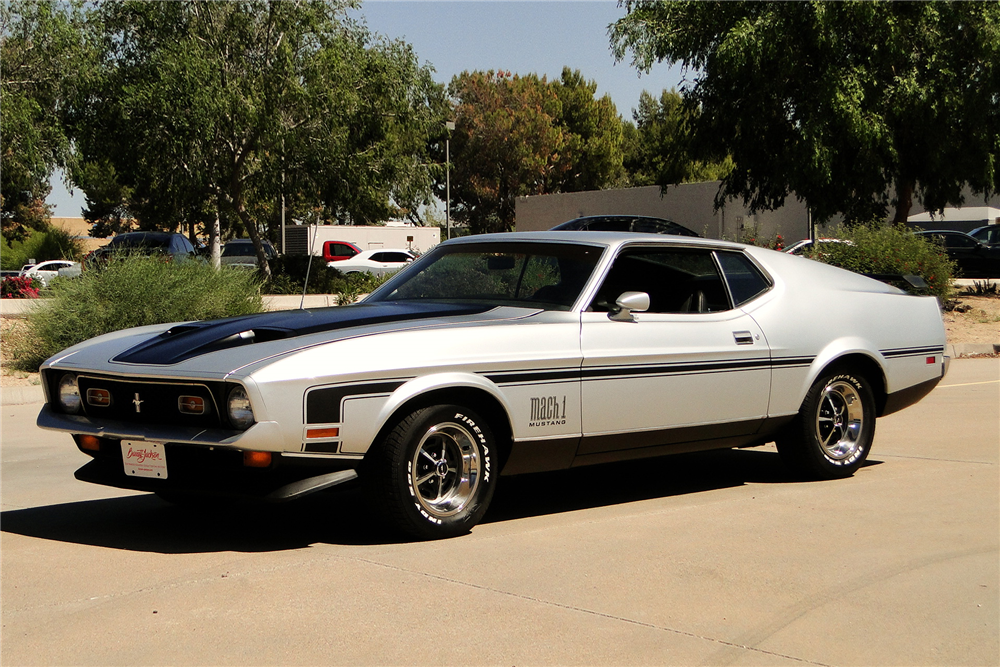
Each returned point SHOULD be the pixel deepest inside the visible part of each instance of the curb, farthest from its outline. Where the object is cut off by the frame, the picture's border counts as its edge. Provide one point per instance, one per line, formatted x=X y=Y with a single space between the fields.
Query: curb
x=21 y=395
x=21 y=307
x=17 y=307
x=968 y=349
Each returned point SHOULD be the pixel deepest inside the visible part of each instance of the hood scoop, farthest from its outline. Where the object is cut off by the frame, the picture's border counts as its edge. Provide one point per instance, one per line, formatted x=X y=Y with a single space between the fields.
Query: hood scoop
x=187 y=341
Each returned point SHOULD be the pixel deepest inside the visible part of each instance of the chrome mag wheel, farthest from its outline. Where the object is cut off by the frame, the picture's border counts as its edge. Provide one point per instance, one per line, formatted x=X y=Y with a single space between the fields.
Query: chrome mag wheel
x=445 y=471
x=840 y=420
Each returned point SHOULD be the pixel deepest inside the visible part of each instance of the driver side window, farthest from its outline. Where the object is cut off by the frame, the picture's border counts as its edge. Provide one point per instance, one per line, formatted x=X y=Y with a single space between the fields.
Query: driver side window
x=679 y=280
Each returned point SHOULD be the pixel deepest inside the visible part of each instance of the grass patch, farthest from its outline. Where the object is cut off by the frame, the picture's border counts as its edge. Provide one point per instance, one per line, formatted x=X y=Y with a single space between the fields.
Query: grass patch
x=131 y=291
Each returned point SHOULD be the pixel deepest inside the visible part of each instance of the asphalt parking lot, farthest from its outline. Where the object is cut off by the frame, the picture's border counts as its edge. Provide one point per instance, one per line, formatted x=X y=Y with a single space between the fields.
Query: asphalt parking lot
x=704 y=559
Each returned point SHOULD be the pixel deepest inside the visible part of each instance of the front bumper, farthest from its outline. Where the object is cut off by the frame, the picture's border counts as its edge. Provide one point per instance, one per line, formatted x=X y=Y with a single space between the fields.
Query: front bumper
x=262 y=436
x=218 y=472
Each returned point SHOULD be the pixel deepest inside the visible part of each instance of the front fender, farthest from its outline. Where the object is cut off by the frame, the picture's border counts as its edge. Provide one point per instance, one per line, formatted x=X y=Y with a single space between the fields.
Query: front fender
x=364 y=417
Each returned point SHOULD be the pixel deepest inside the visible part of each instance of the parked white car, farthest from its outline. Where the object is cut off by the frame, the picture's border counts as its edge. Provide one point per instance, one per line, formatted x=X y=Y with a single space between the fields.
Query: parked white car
x=44 y=272
x=504 y=354
x=376 y=262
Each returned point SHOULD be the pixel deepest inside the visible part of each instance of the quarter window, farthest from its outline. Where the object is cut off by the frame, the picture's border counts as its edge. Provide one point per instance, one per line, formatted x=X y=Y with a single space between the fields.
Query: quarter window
x=745 y=281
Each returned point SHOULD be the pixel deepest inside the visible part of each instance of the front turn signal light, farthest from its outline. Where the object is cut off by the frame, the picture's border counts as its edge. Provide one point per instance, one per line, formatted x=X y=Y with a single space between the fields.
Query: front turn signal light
x=256 y=459
x=89 y=442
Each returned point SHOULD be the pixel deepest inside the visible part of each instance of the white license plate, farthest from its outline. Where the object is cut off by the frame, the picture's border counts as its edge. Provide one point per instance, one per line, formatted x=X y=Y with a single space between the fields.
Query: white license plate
x=144 y=459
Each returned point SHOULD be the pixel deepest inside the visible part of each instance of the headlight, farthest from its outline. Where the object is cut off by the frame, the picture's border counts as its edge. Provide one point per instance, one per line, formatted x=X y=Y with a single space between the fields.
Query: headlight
x=69 y=394
x=240 y=412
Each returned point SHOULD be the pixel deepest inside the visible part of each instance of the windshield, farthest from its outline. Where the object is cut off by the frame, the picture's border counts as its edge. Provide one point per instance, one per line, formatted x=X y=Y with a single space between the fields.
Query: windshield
x=533 y=275
x=140 y=241
x=239 y=250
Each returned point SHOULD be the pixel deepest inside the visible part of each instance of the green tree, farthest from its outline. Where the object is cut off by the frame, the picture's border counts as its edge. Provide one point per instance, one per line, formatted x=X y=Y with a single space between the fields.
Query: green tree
x=205 y=111
x=506 y=144
x=843 y=103
x=41 y=50
x=594 y=134
x=657 y=151
x=523 y=135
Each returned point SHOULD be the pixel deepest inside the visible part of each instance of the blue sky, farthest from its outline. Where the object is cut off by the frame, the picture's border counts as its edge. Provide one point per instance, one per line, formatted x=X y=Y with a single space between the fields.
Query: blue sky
x=520 y=36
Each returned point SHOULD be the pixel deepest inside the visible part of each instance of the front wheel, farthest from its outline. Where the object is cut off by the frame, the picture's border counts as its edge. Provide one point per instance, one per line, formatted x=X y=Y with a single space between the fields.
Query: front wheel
x=435 y=473
x=831 y=436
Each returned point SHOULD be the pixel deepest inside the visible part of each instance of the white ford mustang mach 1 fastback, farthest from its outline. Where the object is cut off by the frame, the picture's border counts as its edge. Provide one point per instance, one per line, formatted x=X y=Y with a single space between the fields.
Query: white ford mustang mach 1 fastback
x=506 y=353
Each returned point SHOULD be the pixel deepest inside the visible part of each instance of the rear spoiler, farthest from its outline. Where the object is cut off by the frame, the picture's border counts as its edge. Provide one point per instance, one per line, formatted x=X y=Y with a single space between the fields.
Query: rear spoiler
x=906 y=282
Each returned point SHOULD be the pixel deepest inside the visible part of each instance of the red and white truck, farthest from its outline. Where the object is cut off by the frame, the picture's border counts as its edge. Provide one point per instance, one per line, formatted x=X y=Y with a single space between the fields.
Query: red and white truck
x=337 y=242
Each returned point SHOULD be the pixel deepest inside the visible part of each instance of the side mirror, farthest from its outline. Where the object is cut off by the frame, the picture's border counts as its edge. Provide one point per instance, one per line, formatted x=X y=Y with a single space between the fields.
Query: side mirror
x=627 y=302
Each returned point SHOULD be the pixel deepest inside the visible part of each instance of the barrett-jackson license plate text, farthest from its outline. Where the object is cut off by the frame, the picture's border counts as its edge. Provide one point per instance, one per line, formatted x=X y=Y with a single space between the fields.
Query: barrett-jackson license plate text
x=144 y=459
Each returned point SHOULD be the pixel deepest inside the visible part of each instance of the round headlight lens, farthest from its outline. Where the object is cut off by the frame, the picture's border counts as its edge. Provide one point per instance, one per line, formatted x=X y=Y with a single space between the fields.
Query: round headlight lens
x=240 y=412
x=69 y=394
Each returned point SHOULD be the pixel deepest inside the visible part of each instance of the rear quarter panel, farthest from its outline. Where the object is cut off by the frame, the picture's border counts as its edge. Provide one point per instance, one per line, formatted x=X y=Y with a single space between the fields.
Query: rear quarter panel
x=816 y=314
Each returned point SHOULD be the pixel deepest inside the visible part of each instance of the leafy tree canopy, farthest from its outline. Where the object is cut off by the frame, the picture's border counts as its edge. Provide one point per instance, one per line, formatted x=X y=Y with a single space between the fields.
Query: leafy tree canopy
x=594 y=134
x=523 y=135
x=40 y=54
x=842 y=103
x=656 y=150
x=200 y=110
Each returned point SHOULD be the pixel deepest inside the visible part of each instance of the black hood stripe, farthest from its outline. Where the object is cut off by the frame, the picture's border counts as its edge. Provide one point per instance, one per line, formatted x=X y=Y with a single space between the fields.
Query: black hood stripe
x=187 y=341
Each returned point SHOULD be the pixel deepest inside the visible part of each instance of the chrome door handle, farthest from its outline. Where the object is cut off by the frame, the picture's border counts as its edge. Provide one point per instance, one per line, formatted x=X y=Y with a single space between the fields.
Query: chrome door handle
x=743 y=337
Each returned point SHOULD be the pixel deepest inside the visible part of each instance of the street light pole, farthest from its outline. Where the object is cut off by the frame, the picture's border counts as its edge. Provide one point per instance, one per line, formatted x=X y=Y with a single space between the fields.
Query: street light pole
x=449 y=125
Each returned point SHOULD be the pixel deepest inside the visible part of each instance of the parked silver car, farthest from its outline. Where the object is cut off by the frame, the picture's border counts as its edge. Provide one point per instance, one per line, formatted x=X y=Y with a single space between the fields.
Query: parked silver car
x=504 y=354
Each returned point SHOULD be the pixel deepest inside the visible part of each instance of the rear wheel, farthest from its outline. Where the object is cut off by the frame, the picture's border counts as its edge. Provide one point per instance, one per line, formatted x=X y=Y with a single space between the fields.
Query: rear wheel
x=435 y=473
x=833 y=432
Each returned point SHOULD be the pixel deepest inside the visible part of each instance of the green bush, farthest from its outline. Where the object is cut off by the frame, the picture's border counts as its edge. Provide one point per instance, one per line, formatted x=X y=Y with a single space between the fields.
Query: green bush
x=133 y=291
x=887 y=249
x=55 y=243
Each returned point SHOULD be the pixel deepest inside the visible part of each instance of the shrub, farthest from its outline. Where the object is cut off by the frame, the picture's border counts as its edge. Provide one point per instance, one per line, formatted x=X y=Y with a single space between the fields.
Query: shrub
x=134 y=291
x=888 y=249
x=751 y=235
x=19 y=287
x=54 y=243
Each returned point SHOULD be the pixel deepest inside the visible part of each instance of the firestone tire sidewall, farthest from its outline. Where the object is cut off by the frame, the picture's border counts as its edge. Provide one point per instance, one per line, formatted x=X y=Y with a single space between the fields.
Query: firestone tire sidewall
x=801 y=446
x=416 y=518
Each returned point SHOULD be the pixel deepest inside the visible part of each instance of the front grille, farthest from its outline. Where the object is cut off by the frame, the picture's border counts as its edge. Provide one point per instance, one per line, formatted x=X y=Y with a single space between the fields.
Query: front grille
x=151 y=401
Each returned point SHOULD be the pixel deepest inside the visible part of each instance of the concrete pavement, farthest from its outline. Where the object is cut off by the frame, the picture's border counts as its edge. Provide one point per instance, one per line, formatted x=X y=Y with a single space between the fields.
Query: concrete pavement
x=706 y=559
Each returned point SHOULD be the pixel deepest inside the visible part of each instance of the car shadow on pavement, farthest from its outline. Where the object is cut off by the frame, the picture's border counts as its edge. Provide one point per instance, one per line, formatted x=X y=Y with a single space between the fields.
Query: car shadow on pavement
x=630 y=481
x=146 y=523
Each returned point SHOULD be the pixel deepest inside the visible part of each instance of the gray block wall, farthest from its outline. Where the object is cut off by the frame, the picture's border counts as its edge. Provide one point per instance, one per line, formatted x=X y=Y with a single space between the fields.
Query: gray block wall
x=690 y=204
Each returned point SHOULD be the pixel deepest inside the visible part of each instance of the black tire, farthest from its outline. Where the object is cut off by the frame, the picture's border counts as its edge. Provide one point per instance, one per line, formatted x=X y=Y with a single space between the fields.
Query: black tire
x=434 y=474
x=831 y=436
